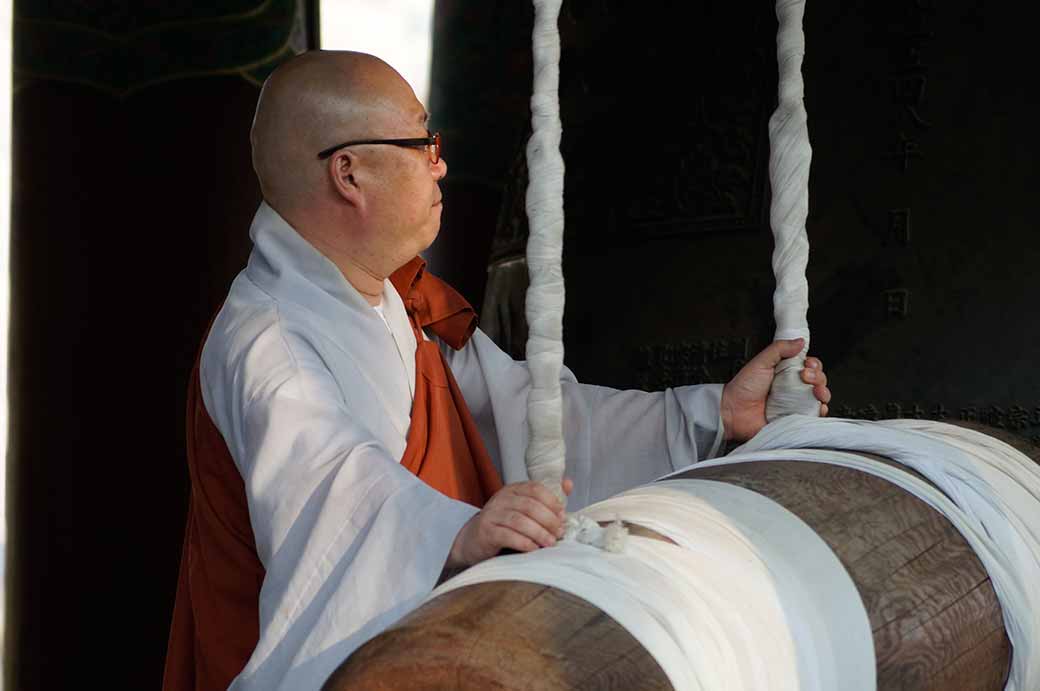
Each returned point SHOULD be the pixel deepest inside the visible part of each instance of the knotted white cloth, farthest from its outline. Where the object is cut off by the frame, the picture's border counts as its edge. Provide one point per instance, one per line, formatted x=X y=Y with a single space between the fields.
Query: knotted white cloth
x=546 y=450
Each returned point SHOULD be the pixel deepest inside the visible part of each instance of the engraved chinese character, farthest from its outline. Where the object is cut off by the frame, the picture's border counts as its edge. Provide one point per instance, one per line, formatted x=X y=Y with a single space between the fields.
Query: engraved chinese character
x=996 y=416
x=1017 y=417
x=897 y=302
x=666 y=353
x=846 y=411
x=693 y=352
x=893 y=411
x=870 y=412
x=914 y=57
x=916 y=412
x=685 y=360
x=701 y=375
x=899 y=226
x=939 y=412
x=970 y=414
x=908 y=92
x=719 y=349
x=645 y=356
x=907 y=150
x=705 y=346
x=740 y=347
x=914 y=44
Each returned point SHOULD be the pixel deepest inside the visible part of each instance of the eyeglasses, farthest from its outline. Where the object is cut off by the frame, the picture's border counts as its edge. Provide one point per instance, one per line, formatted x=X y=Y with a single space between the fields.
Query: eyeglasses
x=432 y=144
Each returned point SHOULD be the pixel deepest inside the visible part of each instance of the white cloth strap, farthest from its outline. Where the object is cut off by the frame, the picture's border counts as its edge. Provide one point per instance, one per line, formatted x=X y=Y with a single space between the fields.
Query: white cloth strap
x=749 y=597
x=988 y=490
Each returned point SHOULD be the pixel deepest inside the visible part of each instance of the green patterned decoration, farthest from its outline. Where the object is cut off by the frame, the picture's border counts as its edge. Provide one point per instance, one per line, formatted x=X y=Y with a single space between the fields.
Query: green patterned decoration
x=121 y=49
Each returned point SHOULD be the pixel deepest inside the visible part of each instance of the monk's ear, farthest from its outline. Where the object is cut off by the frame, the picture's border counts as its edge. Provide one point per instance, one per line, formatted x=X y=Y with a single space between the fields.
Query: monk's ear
x=342 y=169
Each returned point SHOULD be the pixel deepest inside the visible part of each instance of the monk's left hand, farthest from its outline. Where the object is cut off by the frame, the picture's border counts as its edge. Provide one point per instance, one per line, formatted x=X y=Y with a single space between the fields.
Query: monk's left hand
x=744 y=397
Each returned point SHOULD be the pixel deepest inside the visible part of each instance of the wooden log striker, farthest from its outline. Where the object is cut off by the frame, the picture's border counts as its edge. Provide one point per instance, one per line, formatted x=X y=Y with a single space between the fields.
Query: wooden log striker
x=935 y=619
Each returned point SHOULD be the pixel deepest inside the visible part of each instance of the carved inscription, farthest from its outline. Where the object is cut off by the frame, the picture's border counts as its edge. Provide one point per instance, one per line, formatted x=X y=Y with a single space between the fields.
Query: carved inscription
x=897 y=303
x=899 y=226
x=906 y=151
x=1018 y=417
x=908 y=91
x=908 y=79
x=703 y=361
x=711 y=180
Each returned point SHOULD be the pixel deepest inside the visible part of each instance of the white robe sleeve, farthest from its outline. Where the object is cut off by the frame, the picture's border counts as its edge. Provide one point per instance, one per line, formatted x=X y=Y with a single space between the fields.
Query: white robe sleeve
x=615 y=439
x=350 y=540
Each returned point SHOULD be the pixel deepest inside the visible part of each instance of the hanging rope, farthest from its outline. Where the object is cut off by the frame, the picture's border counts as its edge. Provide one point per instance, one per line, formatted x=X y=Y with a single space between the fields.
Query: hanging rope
x=789 y=159
x=546 y=450
x=790 y=156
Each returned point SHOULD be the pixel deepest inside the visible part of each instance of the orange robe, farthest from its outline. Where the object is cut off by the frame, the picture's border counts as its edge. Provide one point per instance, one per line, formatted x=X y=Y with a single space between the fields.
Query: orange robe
x=216 y=623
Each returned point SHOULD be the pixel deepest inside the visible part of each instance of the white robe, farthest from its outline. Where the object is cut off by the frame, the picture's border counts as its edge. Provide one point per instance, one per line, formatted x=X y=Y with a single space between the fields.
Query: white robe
x=306 y=385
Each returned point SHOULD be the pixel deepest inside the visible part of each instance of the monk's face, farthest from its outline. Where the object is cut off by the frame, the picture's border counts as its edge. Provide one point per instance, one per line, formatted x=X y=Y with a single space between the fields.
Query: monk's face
x=405 y=207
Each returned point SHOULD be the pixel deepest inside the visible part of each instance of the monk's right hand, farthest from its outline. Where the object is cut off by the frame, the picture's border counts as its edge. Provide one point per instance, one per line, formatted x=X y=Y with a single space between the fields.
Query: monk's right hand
x=522 y=516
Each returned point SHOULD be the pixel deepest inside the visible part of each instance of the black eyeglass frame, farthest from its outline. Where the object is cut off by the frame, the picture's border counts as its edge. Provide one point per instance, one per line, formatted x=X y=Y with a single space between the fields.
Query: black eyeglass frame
x=431 y=142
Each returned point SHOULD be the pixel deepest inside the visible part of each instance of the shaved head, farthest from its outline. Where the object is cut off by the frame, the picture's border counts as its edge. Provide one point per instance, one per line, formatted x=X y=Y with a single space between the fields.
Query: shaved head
x=314 y=101
x=369 y=208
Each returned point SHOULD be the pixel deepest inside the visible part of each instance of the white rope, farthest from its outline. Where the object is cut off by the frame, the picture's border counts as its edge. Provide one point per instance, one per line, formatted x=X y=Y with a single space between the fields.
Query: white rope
x=789 y=158
x=546 y=450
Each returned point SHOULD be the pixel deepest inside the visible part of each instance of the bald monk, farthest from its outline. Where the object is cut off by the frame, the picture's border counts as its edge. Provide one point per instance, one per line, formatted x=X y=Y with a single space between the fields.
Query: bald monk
x=352 y=436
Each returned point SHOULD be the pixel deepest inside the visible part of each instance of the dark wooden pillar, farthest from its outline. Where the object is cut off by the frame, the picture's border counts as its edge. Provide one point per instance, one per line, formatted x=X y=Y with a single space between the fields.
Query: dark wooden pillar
x=133 y=193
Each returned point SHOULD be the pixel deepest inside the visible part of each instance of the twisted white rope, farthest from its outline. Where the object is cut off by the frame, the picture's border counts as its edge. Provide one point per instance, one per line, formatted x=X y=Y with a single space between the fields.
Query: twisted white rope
x=789 y=159
x=790 y=156
x=546 y=449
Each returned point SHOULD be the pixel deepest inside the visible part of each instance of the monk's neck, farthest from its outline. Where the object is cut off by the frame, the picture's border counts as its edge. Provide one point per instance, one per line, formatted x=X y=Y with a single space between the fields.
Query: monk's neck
x=365 y=281
x=359 y=264
x=357 y=268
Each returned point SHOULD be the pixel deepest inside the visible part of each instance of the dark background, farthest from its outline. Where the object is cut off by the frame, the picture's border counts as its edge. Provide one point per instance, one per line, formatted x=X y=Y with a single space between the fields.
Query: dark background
x=133 y=194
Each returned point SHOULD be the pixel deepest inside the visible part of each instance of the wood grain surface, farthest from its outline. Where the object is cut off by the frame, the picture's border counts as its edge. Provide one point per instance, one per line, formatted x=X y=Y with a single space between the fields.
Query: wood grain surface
x=928 y=599
x=506 y=635
x=936 y=621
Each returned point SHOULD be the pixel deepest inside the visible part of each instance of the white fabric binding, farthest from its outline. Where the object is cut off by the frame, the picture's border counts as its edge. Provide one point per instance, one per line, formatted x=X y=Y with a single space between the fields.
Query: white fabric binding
x=789 y=159
x=749 y=597
x=990 y=492
x=545 y=295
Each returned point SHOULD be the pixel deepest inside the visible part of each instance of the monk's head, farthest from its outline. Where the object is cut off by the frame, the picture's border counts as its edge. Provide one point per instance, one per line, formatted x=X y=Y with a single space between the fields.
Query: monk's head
x=379 y=204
